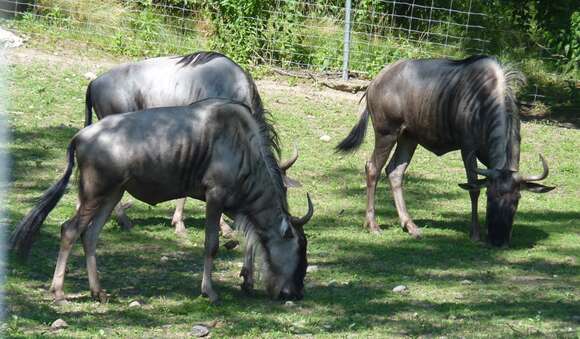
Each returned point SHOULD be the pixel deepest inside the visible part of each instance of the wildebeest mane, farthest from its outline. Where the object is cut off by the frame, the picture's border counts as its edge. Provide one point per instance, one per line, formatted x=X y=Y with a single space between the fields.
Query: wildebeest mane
x=514 y=80
x=269 y=148
x=199 y=58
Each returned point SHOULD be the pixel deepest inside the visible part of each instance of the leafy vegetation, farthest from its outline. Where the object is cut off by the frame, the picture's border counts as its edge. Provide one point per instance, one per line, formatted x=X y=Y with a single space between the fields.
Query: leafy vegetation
x=541 y=38
x=456 y=288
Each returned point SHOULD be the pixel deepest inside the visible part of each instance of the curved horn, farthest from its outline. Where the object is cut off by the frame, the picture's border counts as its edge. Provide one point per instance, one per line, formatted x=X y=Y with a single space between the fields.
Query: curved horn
x=288 y=163
x=541 y=176
x=302 y=221
x=485 y=172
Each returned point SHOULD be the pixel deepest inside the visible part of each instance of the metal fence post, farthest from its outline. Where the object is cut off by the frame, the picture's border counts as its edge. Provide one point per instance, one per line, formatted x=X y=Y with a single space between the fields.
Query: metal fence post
x=346 y=49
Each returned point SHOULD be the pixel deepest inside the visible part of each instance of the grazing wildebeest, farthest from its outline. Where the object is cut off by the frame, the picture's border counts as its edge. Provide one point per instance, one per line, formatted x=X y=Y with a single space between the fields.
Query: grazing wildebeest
x=446 y=105
x=213 y=150
x=173 y=81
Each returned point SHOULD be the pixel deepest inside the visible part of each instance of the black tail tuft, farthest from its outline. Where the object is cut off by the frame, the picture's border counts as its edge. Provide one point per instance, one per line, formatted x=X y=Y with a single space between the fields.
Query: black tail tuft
x=23 y=236
x=356 y=135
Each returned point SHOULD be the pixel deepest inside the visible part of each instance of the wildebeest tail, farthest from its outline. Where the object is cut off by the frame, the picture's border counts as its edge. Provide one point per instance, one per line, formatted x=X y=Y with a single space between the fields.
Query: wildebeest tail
x=357 y=134
x=88 y=106
x=23 y=236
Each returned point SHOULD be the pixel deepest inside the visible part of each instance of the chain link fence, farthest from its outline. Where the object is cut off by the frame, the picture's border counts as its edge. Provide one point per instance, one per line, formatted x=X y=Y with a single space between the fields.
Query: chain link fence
x=335 y=38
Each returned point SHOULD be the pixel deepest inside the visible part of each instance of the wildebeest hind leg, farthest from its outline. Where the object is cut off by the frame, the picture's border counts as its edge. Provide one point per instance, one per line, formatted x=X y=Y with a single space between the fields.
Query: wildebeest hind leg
x=373 y=168
x=90 y=238
x=396 y=171
x=177 y=219
x=70 y=230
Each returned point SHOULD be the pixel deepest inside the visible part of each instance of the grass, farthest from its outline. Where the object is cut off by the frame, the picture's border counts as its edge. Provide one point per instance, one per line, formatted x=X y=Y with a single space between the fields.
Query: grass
x=530 y=289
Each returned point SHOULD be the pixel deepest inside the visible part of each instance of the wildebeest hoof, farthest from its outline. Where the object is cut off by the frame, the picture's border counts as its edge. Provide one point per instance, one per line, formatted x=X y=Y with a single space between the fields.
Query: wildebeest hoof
x=212 y=296
x=60 y=302
x=100 y=296
x=180 y=228
x=410 y=227
x=373 y=227
x=247 y=288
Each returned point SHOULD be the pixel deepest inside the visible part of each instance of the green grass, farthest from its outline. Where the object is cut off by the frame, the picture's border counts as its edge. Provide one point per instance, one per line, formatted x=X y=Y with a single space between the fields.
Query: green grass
x=530 y=289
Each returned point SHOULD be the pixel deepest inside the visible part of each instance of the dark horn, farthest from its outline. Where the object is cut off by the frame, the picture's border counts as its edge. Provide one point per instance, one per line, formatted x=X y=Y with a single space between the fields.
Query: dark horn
x=302 y=221
x=485 y=172
x=541 y=176
x=288 y=163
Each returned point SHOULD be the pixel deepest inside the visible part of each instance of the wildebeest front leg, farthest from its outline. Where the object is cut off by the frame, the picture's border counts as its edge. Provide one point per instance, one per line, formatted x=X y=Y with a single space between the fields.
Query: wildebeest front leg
x=212 y=216
x=396 y=172
x=121 y=217
x=470 y=163
x=373 y=168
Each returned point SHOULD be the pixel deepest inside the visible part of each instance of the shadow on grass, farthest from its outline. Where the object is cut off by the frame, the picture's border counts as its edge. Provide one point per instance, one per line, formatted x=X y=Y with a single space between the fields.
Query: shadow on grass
x=36 y=147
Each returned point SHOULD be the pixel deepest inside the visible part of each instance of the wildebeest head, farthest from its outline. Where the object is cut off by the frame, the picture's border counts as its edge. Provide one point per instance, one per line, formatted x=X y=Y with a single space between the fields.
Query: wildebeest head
x=287 y=257
x=503 y=195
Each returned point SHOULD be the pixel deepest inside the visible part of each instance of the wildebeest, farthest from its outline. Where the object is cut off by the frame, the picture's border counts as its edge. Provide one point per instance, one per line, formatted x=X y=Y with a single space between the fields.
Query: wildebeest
x=213 y=150
x=447 y=105
x=173 y=81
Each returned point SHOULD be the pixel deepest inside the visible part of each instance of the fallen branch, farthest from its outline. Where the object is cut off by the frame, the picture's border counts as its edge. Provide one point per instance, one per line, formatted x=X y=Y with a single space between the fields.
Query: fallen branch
x=350 y=87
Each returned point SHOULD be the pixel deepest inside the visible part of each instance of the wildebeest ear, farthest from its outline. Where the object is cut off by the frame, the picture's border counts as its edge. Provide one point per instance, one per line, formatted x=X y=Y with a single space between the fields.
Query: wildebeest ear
x=479 y=184
x=535 y=188
x=289 y=182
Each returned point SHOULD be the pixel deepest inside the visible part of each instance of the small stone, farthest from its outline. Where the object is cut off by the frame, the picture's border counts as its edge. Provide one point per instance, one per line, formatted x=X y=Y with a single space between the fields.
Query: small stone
x=101 y=332
x=332 y=283
x=312 y=268
x=459 y=296
x=134 y=303
x=400 y=289
x=164 y=259
x=289 y=303
x=90 y=76
x=58 y=324
x=325 y=138
x=199 y=331
x=466 y=282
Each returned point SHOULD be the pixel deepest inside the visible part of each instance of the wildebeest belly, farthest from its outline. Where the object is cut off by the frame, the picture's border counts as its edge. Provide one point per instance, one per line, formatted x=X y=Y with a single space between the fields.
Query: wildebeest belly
x=434 y=142
x=152 y=192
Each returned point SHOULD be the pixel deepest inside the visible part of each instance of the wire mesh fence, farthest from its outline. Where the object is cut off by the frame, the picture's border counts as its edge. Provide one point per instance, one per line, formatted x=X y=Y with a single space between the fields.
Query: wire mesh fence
x=331 y=36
